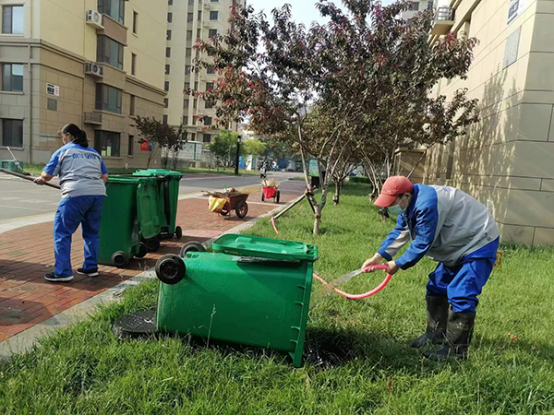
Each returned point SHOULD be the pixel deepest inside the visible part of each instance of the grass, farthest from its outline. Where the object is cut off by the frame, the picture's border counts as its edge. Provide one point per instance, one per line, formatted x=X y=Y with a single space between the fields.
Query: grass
x=357 y=359
x=36 y=169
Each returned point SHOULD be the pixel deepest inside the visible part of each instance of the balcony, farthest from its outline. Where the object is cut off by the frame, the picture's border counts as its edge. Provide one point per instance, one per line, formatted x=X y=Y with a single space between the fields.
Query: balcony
x=444 y=20
x=93 y=118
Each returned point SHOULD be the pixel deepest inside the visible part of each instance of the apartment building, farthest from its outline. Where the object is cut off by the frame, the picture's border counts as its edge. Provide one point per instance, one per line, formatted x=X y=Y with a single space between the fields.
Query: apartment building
x=95 y=63
x=506 y=161
x=189 y=20
x=415 y=7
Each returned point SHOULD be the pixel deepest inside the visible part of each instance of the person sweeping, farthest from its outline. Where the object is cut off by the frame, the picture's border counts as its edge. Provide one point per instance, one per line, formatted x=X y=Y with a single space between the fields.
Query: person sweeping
x=458 y=232
x=83 y=176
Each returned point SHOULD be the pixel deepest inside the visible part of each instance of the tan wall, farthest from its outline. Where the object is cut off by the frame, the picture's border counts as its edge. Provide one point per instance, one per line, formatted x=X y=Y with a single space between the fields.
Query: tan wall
x=505 y=161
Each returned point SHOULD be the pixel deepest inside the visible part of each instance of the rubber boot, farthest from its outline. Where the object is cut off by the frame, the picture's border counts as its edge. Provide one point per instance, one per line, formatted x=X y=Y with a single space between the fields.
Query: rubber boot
x=437 y=316
x=458 y=337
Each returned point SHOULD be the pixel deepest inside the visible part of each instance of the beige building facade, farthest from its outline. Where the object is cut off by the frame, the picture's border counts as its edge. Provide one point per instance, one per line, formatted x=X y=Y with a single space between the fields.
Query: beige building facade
x=506 y=161
x=95 y=63
x=189 y=20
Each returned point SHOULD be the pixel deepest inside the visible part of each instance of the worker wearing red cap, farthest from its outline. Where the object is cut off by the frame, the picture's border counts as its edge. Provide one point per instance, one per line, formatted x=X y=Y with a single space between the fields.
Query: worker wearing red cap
x=454 y=229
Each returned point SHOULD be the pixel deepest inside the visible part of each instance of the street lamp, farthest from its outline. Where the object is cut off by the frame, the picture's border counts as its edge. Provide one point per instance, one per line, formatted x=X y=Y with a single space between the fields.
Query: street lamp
x=239 y=142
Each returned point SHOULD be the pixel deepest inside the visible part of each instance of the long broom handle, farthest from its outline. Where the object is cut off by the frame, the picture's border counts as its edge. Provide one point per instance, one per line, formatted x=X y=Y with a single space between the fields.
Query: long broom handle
x=28 y=178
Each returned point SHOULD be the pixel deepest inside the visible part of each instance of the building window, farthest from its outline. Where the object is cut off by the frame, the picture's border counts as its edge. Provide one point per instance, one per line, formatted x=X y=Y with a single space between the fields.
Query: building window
x=199 y=15
x=210 y=70
x=169 y=17
x=189 y=34
x=187 y=86
x=133 y=64
x=214 y=15
x=188 y=53
x=194 y=104
x=168 y=52
x=209 y=86
x=208 y=105
x=185 y=121
x=169 y=35
x=170 y=2
x=52 y=104
x=191 y=1
x=107 y=143
x=135 y=23
x=166 y=86
x=12 y=20
x=12 y=132
x=110 y=52
x=131 y=146
x=190 y=17
x=113 y=8
x=192 y=137
x=208 y=121
x=188 y=69
x=215 y=1
x=132 y=105
x=12 y=77
x=429 y=5
x=166 y=102
x=198 y=33
x=212 y=33
x=108 y=98
x=207 y=138
x=164 y=119
x=167 y=69
x=186 y=103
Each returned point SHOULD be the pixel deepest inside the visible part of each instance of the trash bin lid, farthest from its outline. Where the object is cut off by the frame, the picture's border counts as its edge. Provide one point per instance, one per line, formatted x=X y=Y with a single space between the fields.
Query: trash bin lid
x=158 y=172
x=129 y=179
x=270 y=248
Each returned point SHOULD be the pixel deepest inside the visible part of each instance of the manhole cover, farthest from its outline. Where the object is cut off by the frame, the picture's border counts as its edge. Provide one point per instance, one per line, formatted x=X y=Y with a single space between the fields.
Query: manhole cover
x=135 y=325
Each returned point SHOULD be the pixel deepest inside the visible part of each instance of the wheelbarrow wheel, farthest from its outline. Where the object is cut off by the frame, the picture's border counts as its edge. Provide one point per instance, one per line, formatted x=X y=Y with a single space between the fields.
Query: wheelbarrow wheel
x=242 y=209
x=119 y=259
x=278 y=197
x=263 y=196
x=153 y=244
x=143 y=251
x=193 y=246
x=170 y=269
x=178 y=232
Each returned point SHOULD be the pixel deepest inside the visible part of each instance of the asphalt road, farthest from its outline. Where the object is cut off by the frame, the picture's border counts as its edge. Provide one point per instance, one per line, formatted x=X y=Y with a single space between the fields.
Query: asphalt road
x=20 y=198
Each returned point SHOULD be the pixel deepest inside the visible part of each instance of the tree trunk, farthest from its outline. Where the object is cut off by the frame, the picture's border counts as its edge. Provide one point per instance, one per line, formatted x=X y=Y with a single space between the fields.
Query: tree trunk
x=317 y=221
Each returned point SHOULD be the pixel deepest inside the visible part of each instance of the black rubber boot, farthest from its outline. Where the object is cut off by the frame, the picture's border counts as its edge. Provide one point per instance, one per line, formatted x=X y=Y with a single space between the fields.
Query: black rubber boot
x=437 y=316
x=458 y=337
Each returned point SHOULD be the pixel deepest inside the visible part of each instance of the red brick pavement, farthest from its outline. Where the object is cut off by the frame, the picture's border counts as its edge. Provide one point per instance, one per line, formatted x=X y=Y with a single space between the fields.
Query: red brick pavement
x=26 y=254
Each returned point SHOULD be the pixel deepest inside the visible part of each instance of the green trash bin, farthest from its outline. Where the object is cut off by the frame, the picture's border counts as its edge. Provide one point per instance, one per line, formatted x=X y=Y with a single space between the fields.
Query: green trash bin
x=12 y=166
x=168 y=191
x=130 y=212
x=258 y=295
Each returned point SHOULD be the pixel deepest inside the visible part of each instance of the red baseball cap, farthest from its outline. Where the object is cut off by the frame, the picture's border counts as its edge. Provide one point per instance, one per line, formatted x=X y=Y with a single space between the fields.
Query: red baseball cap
x=394 y=186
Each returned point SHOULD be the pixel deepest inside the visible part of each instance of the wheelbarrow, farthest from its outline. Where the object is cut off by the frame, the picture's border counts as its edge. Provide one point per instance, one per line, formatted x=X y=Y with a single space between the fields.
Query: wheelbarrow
x=270 y=191
x=224 y=203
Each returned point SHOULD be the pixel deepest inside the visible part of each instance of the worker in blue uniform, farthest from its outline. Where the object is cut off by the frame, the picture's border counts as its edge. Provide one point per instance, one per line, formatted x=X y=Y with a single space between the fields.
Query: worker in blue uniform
x=83 y=176
x=459 y=233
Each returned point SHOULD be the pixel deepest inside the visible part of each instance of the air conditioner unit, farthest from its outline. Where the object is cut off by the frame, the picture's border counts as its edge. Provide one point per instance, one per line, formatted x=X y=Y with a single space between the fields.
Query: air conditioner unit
x=92 y=68
x=94 y=19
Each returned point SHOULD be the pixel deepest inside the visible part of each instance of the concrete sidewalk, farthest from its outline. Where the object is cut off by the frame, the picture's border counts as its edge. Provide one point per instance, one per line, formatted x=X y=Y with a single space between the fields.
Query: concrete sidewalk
x=26 y=254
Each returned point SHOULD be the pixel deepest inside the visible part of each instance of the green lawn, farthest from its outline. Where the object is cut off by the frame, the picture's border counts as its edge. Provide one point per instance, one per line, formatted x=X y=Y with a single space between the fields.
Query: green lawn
x=36 y=169
x=357 y=358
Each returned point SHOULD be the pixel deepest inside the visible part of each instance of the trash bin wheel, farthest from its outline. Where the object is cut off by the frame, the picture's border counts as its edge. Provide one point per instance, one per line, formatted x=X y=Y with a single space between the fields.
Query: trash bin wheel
x=143 y=251
x=242 y=209
x=263 y=196
x=278 y=197
x=170 y=269
x=119 y=259
x=153 y=244
x=191 y=247
x=178 y=232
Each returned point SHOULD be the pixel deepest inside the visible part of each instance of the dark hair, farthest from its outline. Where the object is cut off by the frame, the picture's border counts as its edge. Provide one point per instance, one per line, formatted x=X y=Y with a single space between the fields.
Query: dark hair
x=79 y=136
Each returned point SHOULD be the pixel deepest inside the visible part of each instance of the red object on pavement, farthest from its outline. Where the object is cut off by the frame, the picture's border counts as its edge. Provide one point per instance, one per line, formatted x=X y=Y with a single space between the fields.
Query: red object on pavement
x=144 y=146
x=269 y=192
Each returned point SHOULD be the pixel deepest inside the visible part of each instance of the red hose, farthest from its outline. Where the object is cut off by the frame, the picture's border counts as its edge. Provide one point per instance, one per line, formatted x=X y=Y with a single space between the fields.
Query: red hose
x=362 y=295
x=274 y=225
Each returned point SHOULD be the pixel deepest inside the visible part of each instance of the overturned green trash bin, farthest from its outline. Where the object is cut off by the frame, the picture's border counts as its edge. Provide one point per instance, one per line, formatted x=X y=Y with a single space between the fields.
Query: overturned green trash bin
x=168 y=192
x=130 y=211
x=254 y=291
